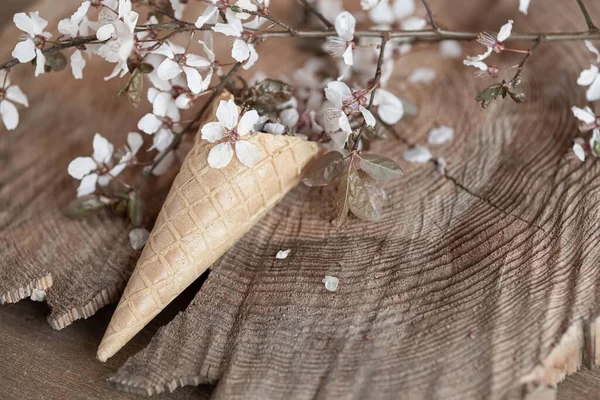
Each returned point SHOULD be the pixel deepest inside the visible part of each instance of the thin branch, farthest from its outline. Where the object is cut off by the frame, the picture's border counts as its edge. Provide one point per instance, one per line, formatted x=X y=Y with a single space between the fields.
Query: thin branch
x=316 y=13
x=190 y=126
x=384 y=41
x=586 y=14
x=432 y=21
x=521 y=65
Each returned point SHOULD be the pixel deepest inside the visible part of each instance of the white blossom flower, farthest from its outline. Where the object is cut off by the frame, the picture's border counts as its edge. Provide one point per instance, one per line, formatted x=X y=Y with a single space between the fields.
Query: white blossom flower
x=389 y=107
x=495 y=45
x=8 y=96
x=34 y=40
x=422 y=75
x=346 y=102
x=73 y=27
x=93 y=170
x=178 y=61
x=590 y=76
x=417 y=154
x=440 y=135
x=120 y=29
x=227 y=116
x=343 y=44
x=282 y=254
x=243 y=48
x=588 y=120
x=399 y=13
x=162 y=120
x=138 y=238
x=209 y=16
x=134 y=144
x=450 y=48
x=524 y=6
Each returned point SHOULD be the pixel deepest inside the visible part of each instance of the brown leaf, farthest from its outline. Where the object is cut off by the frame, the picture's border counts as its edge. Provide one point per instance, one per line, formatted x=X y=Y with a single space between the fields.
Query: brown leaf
x=135 y=209
x=365 y=198
x=380 y=168
x=136 y=87
x=325 y=169
x=341 y=201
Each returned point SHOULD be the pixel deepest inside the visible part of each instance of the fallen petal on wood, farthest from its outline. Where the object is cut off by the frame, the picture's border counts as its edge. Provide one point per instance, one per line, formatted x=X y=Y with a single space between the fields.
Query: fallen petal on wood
x=206 y=212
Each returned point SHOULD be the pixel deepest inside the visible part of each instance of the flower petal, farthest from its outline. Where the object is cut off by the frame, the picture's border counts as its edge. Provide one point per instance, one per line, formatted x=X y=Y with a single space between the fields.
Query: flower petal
x=209 y=16
x=587 y=76
x=160 y=103
x=247 y=153
x=138 y=238
x=389 y=107
x=579 y=151
x=252 y=58
x=345 y=24
x=344 y=123
x=348 y=56
x=336 y=91
x=149 y=124
x=105 y=32
x=289 y=117
x=584 y=114
x=77 y=64
x=168 y=69
x=440 y=135
x=505 y=31
x=247 y=122
x=14 y=93
x=24 y=51
x=103 y=149
x=10 y=115
x=24 y=23
x=197 y=61
x=593 y=92
x=422 y=75
x=81 y=166
x=213 y=131
x=162 y=139
x=524 y=6
x=240 y=51
x=227 y=113
x=40 y=62
x=417 y=154
x=135 y=141
x=87 y=185
x=194 y=79
x=369 y=118
x=220 y=156
x=450 y=48
x=164 y=164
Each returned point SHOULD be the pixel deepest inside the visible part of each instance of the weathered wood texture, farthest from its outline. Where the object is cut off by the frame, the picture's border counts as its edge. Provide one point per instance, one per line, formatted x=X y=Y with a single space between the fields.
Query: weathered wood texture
x=41 y=363
x=82 y=264
x=469 y=282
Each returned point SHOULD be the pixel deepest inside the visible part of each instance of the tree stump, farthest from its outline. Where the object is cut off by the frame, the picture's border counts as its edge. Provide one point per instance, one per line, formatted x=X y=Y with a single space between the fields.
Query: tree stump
x=465 y=289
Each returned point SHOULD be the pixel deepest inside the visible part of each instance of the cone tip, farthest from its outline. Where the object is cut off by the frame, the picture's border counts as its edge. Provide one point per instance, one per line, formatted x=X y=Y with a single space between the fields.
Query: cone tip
x=106 y=350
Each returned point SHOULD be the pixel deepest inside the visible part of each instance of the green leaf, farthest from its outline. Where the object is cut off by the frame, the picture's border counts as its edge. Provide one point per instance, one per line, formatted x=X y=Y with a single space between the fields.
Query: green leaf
x=517 y=97
x=380 y=168
x=365 y=199
x=83 y=206
x=596 y=148
x=135 y=209
x=325 y=169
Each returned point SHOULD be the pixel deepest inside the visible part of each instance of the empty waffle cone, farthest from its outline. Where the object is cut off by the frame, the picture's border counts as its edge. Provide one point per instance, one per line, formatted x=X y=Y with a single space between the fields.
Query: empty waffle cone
x=206 y=212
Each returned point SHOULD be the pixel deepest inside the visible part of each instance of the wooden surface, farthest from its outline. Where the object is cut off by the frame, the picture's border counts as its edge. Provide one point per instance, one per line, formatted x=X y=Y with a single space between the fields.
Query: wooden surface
x=466 y=286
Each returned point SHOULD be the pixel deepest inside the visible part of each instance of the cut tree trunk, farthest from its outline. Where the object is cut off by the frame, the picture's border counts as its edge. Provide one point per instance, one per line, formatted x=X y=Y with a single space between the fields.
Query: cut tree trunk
x=464 y=289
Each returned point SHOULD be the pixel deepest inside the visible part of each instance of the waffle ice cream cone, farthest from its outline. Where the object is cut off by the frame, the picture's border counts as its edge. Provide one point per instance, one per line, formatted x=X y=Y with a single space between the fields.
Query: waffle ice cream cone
x=206 y=212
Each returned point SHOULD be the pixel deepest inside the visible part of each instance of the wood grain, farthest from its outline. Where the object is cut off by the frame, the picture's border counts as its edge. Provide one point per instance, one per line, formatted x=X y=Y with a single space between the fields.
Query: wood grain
x=468 y=283
x=83 y=264
x=466 y=286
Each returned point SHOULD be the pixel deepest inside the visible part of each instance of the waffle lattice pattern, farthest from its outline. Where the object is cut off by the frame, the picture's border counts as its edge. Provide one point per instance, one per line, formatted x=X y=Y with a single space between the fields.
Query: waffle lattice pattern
x=206 y=212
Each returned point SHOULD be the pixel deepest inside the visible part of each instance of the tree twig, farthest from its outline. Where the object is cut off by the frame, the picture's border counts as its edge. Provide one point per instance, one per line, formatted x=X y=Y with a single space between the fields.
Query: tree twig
x=587 y=16
x=316 y=13
x=432 y=20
